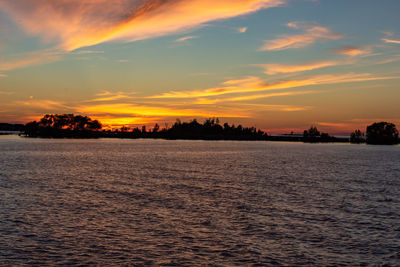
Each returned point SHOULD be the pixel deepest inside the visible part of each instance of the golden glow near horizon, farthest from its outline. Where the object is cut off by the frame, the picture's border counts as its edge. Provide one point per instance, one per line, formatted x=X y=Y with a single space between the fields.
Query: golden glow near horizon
x=129 y=63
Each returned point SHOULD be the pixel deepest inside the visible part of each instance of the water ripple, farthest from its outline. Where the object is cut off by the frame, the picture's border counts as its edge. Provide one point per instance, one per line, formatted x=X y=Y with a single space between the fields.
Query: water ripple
x=194 y=203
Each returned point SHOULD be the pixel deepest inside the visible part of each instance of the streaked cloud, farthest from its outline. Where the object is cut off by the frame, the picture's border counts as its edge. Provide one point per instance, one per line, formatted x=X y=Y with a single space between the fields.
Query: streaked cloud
x=311 y=34
x=44 y=105
x=208 y=101
x=255 y=84
x=129 y=112
x=388 y=33
x=269 y=95
x=354 y=51
x=6 y=93
x=389 y=60
x=29 y=59
x=185 y=38
x=155 y=111
x=107 y=96
x=280 y=68
x=285 y=108
x=242 y=29
x=75 y=23
x=391 y=41
x=84 y=52
x=353 y=124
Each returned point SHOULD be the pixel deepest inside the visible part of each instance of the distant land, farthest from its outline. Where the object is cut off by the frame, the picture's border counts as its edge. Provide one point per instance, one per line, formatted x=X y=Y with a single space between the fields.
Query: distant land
x=7 y=127
x=78 y=126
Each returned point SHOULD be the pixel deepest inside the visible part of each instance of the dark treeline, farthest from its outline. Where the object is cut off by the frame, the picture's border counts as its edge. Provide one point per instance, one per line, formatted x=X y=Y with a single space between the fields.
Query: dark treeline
x=12 y=127
x=71 y=126
x=68 y=125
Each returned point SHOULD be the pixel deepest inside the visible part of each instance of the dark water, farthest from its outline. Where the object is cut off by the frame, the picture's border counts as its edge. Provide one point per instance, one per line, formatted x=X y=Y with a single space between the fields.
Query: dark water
x=154 y=202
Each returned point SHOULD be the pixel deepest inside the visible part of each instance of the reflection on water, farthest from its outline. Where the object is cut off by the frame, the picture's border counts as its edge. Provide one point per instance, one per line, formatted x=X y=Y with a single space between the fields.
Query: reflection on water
x=155 y=202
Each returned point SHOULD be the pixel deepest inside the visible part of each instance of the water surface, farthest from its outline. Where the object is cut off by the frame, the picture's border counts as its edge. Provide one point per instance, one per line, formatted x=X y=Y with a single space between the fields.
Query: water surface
x=157 y=202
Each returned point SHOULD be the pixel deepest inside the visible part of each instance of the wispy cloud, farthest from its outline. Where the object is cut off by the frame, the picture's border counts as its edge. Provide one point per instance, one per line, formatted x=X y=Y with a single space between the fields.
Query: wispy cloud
x=211 y=101
x=44 y=105
x=354 y=51
x=29 y=59
x=389 y=60
x=76 y=23
x=285 y=108
x=255 y=84
x=128 y=112
x=391 y=41
x=269 y=95
x=185 y=38
x=155 y=111
x=389 y=38
x=6 y=93
x=3 y=75
x=279 y=68
x=84 y=52
x=311 y=34
x=348 y=126
x=242 y=29
x=107 y=96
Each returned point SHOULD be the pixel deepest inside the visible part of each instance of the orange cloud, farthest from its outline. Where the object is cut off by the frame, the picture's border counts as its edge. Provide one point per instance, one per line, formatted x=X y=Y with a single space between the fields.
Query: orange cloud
x=207 y=101
x=76 y=23
x=391 y=41
x=46 y=105
x=279 y=68
x=260 y=96
x=118 y=114
x=311 y=34
x=242 y=29
x=255 y=84
x=353 y=51
x=110 y=96
x=153 y=111
x=118 y=121
x=266 y=107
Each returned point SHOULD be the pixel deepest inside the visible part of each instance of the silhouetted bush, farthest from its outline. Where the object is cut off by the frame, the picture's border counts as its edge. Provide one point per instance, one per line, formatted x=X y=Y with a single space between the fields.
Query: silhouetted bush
x=357 y=137
x=382 y=133
x=312 y=135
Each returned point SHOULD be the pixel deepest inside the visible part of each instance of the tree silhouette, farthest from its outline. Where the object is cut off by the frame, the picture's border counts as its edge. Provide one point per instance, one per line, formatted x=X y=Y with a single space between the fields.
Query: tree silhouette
x=65 y=125
x=357 y=137
x=156 y=128
x=311 y=135
x=382 y=133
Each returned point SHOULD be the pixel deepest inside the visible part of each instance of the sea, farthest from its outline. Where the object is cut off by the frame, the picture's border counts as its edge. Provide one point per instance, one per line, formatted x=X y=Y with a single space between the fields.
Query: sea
x=143 y=202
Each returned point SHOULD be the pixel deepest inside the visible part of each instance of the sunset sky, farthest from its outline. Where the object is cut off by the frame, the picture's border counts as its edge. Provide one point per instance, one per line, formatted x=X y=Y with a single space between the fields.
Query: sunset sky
x=279 y=65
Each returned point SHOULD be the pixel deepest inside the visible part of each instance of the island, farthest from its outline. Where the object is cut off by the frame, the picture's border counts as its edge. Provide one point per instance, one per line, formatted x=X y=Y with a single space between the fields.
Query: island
x=79 y=126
